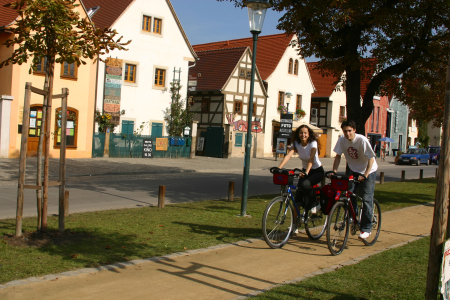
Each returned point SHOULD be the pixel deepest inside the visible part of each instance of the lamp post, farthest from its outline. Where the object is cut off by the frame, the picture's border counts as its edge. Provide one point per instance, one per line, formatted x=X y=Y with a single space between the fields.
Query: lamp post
x=288 y=100
x=256 y=13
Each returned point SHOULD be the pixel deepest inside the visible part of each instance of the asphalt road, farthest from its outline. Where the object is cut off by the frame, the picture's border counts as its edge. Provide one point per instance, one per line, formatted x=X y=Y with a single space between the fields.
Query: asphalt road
x=96 y=193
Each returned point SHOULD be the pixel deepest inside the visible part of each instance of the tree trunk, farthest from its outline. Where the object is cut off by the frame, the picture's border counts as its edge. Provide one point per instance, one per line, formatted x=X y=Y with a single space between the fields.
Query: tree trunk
x=440 y=217
x=47 y=142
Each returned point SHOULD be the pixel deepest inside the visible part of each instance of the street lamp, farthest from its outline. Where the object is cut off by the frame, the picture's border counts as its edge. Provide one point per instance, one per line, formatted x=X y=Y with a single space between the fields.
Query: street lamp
x=288 y=100
x=256 y=13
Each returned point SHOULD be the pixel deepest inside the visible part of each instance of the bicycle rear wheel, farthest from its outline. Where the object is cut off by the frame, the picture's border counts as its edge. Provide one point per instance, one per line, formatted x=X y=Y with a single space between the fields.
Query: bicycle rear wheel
x=316 y=224
x=376 y=224
x=277 y=222
x=337 y=228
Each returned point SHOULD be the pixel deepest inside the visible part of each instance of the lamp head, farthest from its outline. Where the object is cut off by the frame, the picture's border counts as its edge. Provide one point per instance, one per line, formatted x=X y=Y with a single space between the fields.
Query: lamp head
x=256 y=13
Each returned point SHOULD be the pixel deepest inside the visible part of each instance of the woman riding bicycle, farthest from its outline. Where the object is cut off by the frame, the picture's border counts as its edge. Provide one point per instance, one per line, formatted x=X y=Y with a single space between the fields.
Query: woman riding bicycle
x=307 y=146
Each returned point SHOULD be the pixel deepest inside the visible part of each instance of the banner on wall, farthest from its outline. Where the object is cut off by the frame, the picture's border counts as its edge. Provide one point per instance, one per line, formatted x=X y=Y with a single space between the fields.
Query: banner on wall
x=285 y=126
x=113 y=88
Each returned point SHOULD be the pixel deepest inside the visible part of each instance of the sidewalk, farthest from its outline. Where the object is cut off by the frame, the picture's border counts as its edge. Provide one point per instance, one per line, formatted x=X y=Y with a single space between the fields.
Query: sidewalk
x=221 y=272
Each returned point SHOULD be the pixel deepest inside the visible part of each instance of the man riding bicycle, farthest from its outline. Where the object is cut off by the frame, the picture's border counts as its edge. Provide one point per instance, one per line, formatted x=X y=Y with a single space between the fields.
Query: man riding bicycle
x=360 y=162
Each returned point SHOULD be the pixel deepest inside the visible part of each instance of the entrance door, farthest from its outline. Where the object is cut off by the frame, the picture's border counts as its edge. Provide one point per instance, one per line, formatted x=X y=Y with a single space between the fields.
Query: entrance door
x=322 y=144
x=35 y=130
x=214 y=141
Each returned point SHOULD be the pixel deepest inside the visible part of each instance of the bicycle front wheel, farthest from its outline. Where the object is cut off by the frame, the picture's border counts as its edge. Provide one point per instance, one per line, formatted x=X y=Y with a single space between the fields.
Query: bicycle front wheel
x=337 y=228
x=376 y=224
x=277 y=222
x=316 y=224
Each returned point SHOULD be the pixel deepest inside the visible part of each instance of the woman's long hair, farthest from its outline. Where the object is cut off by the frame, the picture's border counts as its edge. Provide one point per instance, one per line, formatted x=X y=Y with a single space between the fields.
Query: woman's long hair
x=312 y=136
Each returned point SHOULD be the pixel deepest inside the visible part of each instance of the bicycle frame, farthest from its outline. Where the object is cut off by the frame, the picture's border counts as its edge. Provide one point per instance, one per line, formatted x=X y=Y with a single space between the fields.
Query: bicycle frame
x=347 y=194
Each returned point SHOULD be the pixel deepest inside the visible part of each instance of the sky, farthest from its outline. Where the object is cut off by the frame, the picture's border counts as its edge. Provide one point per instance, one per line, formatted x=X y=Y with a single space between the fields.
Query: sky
x=206 y=21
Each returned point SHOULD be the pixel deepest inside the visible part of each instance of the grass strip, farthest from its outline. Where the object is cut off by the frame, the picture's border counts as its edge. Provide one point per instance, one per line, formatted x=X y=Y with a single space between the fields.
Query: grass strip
x=99 y=238
x=398 y=273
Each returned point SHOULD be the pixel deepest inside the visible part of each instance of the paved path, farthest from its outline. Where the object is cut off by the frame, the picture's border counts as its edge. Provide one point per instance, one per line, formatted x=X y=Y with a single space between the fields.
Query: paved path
x=222 y=272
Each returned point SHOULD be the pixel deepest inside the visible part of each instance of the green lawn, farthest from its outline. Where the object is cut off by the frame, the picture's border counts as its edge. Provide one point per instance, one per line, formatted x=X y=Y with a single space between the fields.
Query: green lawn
x=99 y=238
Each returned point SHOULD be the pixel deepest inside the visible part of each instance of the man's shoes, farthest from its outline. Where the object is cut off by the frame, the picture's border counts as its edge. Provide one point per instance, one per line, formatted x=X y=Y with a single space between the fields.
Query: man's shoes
x=315 y=209
x=364 y=235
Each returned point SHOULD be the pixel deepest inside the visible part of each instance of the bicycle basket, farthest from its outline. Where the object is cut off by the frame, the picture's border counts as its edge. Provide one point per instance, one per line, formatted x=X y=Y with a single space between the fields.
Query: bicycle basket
x=341 y=183
x=326 y=199
x=284 y=177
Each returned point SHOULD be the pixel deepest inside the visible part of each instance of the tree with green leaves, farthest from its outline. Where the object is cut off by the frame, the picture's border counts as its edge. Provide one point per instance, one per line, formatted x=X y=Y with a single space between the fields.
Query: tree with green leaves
x=370 y=41
x=177 y=115
x=53 y=30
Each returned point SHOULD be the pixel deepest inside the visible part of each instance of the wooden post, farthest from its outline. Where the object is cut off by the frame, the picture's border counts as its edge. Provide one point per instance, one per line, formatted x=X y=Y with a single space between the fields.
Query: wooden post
x=322 y=183
x=231 y=191
x=421 y=174
x=66 y=203
x=62 y=160
x=403 y=175
x=436 y=173
x=162 y=194
x=106 y=147
x=381 y=177
x=23 y=158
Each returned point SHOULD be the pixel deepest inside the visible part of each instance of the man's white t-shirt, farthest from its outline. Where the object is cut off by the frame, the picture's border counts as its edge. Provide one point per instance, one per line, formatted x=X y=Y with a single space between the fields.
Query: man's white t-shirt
x=356 y=152
x=305 y=152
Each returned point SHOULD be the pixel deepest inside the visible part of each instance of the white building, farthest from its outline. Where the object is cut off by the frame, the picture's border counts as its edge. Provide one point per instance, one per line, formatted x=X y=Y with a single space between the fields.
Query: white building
x=282 y=72
x=159 y=47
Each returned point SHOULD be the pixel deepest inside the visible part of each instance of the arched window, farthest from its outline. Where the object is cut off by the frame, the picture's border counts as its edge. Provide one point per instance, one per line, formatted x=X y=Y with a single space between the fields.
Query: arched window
x=71 y=128
x=296 y=67
x=290 y=66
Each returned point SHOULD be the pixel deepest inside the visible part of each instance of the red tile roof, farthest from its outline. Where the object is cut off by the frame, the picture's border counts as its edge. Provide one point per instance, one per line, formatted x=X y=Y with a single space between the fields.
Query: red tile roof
x=215 y=67
x=324 y=85
x=110 y=11
x=269 y=50
x=7 y=15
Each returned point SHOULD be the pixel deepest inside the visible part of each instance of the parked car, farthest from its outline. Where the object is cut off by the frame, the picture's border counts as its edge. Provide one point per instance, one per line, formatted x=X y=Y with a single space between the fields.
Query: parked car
x=414 y=156
x=435 y=154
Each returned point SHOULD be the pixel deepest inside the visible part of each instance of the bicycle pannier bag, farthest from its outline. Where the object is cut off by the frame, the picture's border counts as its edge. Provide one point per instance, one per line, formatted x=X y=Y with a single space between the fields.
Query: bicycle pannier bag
x=284 y=177
x=341 y=183
x=326 y=199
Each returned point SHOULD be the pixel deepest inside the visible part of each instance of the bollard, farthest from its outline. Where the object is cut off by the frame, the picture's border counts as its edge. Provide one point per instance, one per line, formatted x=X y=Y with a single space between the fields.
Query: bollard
x=381 y=177
x=403 y=175
x=66 y=203
x=231 y=191
x=322 y=183
x=162 y=193
x=421 y=174
x=436 y=173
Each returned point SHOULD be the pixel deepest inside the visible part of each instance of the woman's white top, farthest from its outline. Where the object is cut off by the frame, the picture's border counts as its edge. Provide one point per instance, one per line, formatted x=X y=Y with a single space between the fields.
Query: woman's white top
x=305 y=152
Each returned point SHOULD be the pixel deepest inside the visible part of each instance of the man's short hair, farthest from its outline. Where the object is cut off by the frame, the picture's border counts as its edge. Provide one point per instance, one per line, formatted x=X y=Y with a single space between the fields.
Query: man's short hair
x=350 y=123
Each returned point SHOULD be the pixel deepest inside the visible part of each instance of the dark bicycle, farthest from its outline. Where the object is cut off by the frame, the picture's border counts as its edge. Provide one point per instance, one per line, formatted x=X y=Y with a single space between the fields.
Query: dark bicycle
x=344 y=219
x=283 y=216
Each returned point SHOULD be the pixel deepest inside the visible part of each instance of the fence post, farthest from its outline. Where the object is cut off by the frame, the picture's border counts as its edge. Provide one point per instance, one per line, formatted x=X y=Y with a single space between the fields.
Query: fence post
x=231 y=191
x=381 y=177
x=421 y=174
x=436 y=173
x=322 y=182
x=106 y=147
x=403 y=175
x=66 y=203
x=162 y=194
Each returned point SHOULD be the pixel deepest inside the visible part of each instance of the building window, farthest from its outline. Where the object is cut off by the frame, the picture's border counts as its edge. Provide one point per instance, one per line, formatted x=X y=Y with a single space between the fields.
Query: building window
x=146 y=23
x=130 y=73
x=378 y=119
x=71 y=128
x=280 y=98
x=299 y=102
x=157 y=25
x=290 y=66
x=69 y=70
x=41 y=66
x=341 y=111
x=249 y=74
x=242 y=73
x=205 y=104
x=296 y=67
x=160 y=77
x=254 y=108
x=238 y=107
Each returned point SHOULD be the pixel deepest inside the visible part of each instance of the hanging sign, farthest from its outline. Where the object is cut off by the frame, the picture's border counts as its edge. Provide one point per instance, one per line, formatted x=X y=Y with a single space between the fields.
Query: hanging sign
x=147 y=150
x=113 y=88
x=285 y=126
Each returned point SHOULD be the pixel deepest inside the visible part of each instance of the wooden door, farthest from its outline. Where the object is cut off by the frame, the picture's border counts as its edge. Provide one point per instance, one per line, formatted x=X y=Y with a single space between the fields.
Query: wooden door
x=35 y=130
x=322 y=144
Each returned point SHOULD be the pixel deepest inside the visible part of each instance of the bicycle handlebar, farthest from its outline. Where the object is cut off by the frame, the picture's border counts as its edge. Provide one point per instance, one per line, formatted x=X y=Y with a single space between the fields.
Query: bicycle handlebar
x=355 y=175
x=278 y=170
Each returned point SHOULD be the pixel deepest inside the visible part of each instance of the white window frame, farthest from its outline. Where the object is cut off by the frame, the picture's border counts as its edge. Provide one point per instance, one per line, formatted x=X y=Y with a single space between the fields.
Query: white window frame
x=136 y=81
x=166 y=84
x=152 y=23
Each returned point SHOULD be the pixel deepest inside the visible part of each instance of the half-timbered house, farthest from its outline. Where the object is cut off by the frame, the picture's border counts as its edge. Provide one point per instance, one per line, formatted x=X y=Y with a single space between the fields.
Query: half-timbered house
x=219 y=90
